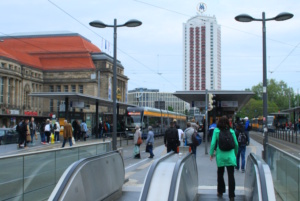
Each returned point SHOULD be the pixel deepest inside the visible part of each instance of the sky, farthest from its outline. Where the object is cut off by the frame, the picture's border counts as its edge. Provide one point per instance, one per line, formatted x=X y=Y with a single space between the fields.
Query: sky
x=152 y=54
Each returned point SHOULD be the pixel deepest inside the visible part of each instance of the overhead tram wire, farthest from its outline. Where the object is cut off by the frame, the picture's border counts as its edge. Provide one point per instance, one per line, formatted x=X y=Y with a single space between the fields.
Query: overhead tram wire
x=221 y=24
x=105 y=39
x=285 y=58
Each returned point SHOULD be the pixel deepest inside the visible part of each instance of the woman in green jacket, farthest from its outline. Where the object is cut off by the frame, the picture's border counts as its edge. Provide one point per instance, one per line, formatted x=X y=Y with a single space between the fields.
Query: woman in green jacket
x=224 y=158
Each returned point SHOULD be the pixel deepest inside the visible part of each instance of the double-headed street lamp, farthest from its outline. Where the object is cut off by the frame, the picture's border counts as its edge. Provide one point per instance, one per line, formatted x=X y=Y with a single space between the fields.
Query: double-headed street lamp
x=99 y=24
x=247 y=18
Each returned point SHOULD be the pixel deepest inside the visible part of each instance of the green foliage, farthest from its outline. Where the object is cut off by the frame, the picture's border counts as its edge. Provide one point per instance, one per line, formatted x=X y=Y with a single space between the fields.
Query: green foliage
x=170 y=108
x=278 y=92
x=254 y=108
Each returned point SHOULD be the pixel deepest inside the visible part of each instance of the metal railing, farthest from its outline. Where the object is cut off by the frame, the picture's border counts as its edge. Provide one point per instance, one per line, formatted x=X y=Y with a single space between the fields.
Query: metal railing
x=287 y=135
x=285 y=170
x=33 y=176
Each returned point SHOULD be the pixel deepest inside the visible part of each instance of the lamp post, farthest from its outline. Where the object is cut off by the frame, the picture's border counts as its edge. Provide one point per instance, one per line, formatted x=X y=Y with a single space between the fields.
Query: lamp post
x=99 y=24
x=247 y=18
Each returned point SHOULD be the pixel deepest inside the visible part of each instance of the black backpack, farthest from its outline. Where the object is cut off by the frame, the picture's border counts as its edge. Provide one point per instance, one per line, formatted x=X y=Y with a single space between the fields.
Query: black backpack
x=242 y=139
x=55 y=126
x=226 y=142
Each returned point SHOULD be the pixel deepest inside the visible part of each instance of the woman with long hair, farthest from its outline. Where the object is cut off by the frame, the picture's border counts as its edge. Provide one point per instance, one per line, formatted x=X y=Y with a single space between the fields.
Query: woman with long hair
x=224 y=158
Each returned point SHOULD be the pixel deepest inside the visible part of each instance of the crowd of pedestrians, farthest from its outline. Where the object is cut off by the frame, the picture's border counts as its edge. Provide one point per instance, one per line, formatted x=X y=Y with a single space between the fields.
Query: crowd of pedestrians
x=49 y=131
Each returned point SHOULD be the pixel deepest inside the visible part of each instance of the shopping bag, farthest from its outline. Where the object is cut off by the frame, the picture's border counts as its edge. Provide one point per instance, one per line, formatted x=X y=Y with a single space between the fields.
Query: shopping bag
x=147 y=150
x=136 y=150
x=28 y=138
x=36 y=137
x=73 y=140
x=139 y=141
x=52 y=138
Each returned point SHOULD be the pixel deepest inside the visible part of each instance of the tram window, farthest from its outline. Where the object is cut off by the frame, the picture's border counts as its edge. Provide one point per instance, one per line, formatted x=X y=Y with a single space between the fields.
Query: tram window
x=131 y=120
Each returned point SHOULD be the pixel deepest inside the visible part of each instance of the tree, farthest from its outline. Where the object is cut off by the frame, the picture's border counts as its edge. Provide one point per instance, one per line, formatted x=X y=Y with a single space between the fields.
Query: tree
x=254 y=108
x=170 y=108
x=278 y=93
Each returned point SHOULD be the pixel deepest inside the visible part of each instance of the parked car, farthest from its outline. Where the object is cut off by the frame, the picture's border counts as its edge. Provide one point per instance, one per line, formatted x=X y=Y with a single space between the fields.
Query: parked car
x=8 y=136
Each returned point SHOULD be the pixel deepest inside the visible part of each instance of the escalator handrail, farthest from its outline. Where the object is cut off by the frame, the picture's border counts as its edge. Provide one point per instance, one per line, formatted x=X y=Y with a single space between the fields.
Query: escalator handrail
x=175 y=175
x=73 y=169
x=262 y=178
x=151 y=173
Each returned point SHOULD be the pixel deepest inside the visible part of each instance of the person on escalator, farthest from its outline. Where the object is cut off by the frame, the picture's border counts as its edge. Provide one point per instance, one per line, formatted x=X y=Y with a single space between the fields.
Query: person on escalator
x=227 y=148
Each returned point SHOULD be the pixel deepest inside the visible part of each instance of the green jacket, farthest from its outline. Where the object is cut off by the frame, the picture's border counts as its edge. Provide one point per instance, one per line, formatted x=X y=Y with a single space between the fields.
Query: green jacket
x=224 y=158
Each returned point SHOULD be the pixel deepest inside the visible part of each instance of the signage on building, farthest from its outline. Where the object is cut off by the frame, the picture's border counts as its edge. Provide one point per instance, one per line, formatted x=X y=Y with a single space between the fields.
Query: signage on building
x=14 y=111
x=78 y=104
x=229 y=104
x=30 y=113
x=201 y=7
x=119 y=95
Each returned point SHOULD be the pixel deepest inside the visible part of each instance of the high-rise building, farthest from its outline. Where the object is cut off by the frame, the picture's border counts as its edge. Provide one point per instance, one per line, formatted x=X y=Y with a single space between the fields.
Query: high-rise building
x=202 y=54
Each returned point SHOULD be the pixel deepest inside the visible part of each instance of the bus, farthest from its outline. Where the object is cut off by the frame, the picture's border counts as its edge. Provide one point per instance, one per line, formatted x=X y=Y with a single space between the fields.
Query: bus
x=146 y=116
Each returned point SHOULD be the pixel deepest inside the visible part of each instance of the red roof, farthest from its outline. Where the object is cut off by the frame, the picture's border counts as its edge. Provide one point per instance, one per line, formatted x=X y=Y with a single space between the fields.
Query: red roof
x=51 y=52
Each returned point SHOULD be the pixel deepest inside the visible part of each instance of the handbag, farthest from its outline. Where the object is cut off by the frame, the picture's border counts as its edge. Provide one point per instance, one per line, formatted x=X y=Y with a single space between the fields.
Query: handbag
x=36 y=137
x=139 y=141
x=136 y=150
x=28 y=138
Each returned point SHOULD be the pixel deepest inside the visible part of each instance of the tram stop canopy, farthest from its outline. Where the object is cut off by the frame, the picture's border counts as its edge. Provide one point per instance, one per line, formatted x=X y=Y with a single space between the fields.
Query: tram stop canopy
x=227 y=100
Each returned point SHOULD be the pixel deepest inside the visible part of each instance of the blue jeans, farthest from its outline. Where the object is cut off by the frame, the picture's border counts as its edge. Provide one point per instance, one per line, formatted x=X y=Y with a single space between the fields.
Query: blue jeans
x=32 y=132
x=64 y=142
x=42 y=137
x=56 y=135
x=241 y=153
x=101 y=133
x=150 y=149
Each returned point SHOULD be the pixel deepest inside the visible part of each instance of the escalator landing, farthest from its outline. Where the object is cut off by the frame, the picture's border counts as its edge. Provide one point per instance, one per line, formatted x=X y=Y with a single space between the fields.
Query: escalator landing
x=214 y=197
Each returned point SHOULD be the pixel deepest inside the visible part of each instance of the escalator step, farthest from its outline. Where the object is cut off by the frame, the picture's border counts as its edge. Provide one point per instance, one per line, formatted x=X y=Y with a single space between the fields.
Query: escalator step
x=211 y=197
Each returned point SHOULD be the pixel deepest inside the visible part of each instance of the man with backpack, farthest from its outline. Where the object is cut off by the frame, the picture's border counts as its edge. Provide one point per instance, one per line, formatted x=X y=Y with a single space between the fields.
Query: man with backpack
x=171 y=139
x=189 y=132
x=243 y=140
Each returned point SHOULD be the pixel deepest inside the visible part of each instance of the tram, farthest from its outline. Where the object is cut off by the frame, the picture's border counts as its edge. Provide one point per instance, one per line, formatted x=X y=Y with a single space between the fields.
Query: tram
x=146 y=116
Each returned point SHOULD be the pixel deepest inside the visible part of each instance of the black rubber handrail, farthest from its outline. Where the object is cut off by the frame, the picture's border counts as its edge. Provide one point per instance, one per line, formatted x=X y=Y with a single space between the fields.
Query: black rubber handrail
x=76 y=165
x=175 y=175
x=150 y=175
x=262 y=178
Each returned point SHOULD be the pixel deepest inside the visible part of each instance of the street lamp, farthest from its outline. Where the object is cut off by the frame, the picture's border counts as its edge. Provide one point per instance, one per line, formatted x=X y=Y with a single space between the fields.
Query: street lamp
x=99 y=24
x=247 y=18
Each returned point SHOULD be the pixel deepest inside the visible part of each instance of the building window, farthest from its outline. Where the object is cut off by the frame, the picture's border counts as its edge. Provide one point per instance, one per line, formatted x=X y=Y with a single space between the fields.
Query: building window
x=51 y=88
x=1 y=89
x=81 y=89
x=8 y=91
x=73 y=88
x=58 y=88
x=66 y=88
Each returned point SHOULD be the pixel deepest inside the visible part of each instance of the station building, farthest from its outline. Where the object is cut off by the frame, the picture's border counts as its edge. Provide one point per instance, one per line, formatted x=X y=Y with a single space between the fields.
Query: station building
x=56 y=62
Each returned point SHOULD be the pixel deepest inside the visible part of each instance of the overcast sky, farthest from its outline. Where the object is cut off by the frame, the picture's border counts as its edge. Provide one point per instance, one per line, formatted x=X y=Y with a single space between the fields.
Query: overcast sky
x=152 y=53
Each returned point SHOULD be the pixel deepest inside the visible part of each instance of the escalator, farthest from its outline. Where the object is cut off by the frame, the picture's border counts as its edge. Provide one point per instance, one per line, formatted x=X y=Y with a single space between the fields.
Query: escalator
x=183 y=184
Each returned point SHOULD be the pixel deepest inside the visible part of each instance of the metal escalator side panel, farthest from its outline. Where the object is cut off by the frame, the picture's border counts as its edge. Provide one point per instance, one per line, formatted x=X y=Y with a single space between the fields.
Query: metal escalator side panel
x=186 y=188
x=149 y=176
x=252 y=186
x=269 y=182
x=94 y=178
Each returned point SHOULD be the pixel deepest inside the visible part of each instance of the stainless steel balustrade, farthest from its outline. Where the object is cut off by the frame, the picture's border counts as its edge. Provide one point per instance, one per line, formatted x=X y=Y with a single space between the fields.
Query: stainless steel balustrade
x=258 y=180
x=285 y=170
x=33 y=176
x=95 y=178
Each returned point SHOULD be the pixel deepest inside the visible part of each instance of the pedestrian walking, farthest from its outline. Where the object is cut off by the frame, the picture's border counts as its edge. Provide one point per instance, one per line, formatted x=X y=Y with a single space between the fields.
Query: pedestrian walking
x=84 y=130
x=171 y=139
x=100 y=129
x=56 y=128
x=67 y=133
x=243 y=140
x=20 y=132
x=42 y=132
x=136 y=136
x=189 y=132
x=224 y=158
x=150 y=142
x=47 y=131
x=181 y=135
x=32 y=128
